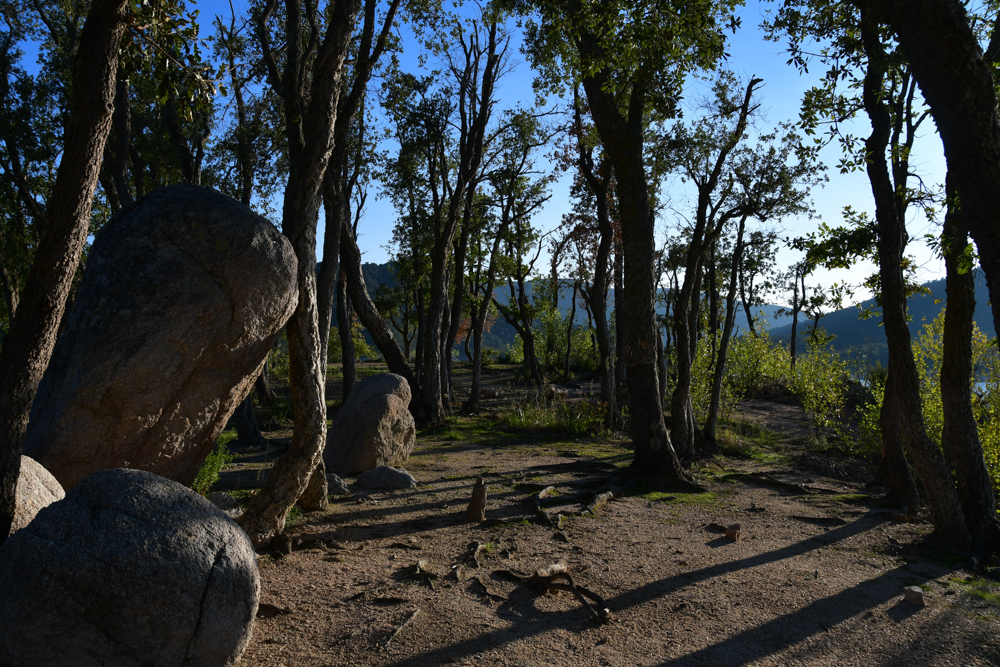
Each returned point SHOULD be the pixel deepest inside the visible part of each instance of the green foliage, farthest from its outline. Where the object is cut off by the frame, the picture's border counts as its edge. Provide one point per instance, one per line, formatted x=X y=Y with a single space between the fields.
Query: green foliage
x=579 y=419
x=928 y=354
x=869 y=440
x=218 y=459
x=820 y=379
x=550 y=329
x=755 y=363
x=514 y=352
x=278 y=363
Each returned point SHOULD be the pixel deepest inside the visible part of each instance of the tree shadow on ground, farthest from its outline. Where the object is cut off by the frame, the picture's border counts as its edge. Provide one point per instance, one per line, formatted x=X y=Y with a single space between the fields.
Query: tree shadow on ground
x=740 y=649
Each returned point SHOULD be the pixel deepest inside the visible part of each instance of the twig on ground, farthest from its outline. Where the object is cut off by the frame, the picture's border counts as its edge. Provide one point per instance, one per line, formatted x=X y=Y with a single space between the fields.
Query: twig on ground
x=409 y=619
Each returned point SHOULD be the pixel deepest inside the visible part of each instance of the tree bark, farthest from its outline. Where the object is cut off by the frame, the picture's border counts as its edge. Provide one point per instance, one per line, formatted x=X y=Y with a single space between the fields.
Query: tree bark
x=957 y=84
x=248 y=433
x=622 y=138
x=27 y=347
x=348 y=356
x=310 y=115
x=960 y=435
x=901 y=418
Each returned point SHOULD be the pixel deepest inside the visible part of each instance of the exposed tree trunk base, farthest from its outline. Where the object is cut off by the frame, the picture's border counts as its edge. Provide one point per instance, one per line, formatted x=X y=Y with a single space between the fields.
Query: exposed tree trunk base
x=315 y=497
x=637 y=474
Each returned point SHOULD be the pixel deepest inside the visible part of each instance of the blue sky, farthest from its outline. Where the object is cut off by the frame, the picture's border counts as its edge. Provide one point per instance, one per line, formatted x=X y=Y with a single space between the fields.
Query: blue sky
x=750 y=55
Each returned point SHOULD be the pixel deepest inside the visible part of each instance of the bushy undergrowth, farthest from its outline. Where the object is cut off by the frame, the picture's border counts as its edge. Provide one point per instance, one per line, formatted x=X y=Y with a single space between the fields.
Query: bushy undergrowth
x=218 y=459
x=928 y=354
x=576 y=419
x=757 y=365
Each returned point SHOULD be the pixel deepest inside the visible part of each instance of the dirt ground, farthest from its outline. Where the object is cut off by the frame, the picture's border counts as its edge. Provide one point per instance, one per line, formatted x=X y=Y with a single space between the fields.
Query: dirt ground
x=816 y=578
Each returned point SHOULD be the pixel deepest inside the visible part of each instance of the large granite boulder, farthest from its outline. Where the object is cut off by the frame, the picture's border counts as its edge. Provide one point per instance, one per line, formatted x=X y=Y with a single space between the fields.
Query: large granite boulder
x=129 y=569
x=183 y=296
x=36 y=488
x=373 y=428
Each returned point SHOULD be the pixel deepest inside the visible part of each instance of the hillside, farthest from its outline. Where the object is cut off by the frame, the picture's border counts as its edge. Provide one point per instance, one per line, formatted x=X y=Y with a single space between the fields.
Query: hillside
x=865 y=335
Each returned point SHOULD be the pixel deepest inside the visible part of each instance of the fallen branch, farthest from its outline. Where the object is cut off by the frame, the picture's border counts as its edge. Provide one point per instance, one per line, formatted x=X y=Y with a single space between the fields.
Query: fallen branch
x=409 y=619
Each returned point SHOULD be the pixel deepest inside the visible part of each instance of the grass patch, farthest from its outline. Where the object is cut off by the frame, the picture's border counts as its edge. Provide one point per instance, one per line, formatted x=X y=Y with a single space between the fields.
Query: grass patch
x=981 y=588
x=707 y=499
x=578 y=419
x=218 y=459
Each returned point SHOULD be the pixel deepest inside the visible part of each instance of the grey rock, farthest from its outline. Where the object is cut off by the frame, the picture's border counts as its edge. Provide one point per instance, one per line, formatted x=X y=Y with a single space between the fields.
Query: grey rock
x=183 y=296
x=36 y=488
x=386 y=477
x=336 y=486
x=129 y=569
x=226 y=503
x=373 y=428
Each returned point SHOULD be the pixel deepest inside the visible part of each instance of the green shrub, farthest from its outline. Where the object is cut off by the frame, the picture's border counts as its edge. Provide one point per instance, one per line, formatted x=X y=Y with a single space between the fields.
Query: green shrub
x=576 y=419
x=755 y=363
x=218 y=459
x=928 y=354
x=278 y=363
x=820 y=379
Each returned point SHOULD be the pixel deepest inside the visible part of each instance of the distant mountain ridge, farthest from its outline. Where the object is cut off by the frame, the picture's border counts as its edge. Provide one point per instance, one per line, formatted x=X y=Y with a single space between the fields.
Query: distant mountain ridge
x=854 y=333
x=849 y=330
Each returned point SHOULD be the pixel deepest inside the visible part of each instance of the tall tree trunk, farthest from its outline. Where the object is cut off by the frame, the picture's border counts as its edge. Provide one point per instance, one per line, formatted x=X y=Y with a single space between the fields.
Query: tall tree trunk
x=619 y=280
x=599 y=308
x=720 y=365
x=569 y=328
x=310 y=116
x=345 y=329
x=957 y=83
x=27 y=347
x=372 y=320
x=458 y=297
x=622 y=139
x=796 y=307
x=902 y=416
x=960 y=435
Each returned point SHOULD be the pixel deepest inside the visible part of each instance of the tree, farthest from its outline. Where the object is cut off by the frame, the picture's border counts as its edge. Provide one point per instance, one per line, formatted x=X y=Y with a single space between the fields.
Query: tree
x=702 y=154
x=598 y=177
x=475 y=74
x=517 y=196
x=774 y=179
x=308 y=80
x=27 y=347
x=887 y=97
x=631 y=58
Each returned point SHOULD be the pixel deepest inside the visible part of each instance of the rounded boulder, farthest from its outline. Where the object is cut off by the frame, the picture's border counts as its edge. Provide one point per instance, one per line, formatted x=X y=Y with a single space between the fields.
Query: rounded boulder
x=128 y=569
x=183 y=296
x=373 y=428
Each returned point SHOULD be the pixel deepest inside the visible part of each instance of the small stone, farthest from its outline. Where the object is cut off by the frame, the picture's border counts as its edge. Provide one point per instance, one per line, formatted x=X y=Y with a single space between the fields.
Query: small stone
x=733 y=532
x=476 y=511
x=915 y=596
